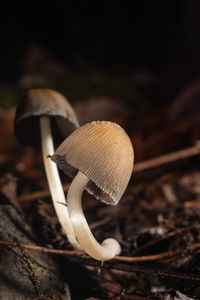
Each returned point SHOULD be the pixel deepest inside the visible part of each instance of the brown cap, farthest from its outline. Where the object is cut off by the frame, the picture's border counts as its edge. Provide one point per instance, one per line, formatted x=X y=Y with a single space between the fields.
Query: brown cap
x=44 y=102
x=103 y=152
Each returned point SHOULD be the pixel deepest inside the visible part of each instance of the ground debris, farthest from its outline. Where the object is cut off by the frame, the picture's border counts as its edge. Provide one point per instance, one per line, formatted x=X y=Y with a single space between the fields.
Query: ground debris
x=157 y=215
x=180 y=296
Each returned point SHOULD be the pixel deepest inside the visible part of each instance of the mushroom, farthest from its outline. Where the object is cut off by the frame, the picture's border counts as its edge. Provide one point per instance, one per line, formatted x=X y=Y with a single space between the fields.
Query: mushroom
x=99 y=157
x=40 y=116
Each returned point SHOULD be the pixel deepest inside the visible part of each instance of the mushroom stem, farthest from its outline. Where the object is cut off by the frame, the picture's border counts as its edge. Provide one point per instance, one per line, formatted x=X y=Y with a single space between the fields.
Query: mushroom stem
x=110 y=247
x=54 y=182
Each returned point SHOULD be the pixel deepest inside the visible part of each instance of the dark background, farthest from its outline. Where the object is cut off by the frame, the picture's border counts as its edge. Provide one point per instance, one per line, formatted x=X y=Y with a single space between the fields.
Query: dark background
x=138 y=66
x=151 y=34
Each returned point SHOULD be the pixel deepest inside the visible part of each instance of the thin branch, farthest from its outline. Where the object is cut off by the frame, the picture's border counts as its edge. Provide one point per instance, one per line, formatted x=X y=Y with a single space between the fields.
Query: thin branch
x=100 y=223
x=125 y=296
x=153 y=257
x=119 y=266
x=141 y=166
x=155 y=272
x=170 y=234
x=38 y=195
x=167 y=158
x=42 y=249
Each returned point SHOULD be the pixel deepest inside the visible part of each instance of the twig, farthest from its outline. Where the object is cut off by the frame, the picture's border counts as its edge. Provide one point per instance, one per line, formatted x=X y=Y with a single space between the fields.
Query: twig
x=38 y=195
x=42 y=249
x=192 y=204
x=167 y=158
x=145 y=270
x=165 y=237
x=156 y=256
x=141 y=166
x=117 y=258
x=122 y=267
x=102 y=222
x=126 y=296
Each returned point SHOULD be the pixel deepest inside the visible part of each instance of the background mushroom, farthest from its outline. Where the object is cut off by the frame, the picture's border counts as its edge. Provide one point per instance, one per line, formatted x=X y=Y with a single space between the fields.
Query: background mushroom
x=99 y=156
x=40 y=116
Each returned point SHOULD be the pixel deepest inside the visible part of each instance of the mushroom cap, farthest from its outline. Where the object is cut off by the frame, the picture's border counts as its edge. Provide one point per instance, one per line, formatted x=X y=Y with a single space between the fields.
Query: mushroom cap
x=44 y=102
x=104 y=153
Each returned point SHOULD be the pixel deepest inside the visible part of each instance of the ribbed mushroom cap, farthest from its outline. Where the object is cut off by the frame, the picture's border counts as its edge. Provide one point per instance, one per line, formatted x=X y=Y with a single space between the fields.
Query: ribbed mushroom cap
x=44 y=102
x=103 y=152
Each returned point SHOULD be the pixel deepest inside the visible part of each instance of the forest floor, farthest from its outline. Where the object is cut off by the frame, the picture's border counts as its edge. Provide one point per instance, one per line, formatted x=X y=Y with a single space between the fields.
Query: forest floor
x=156 y=221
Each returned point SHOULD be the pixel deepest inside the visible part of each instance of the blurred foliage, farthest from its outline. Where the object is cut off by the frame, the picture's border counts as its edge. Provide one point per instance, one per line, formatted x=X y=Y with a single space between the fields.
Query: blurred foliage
x=9 y=95
x=82 y=86
x=75 y=85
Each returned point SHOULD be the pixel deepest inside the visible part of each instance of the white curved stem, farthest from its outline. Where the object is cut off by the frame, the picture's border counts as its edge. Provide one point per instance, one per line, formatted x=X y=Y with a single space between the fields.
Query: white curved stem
x=54 y=182
x=110 y=247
